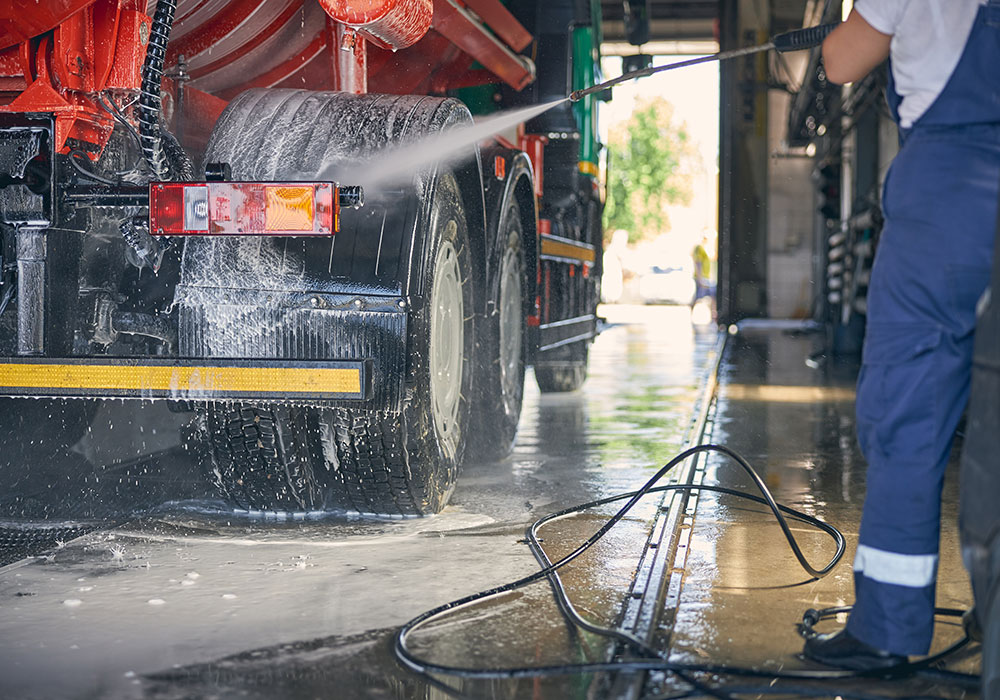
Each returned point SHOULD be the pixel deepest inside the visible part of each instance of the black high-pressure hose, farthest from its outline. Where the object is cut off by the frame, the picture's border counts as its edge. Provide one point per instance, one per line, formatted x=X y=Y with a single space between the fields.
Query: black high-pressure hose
x=650 y=659
x=549 y=570
x=149 y=97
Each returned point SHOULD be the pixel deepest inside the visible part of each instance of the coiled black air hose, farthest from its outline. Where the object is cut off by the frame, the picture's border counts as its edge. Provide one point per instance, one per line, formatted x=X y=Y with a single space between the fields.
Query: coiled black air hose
x=149 y=96
x=409 y=659
x=176 y=157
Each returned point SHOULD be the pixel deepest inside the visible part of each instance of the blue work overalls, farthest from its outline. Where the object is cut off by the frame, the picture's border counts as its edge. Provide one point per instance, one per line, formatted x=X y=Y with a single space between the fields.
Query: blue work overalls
x=933 y=263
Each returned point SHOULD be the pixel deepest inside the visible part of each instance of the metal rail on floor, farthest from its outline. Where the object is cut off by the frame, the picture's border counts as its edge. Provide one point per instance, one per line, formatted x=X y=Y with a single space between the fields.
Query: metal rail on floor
x=653 y=599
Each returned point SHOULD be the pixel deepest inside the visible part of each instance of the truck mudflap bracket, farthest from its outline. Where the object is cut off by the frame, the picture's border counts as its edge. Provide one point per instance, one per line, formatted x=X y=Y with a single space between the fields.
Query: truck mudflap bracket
x=186 y=380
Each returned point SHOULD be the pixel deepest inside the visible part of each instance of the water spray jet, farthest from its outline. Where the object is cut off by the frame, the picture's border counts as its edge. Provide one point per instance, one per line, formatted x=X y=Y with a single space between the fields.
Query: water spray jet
x=398 y=165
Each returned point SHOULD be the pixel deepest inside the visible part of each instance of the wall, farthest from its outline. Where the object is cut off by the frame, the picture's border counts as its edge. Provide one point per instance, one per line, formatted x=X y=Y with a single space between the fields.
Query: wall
x=791 y=217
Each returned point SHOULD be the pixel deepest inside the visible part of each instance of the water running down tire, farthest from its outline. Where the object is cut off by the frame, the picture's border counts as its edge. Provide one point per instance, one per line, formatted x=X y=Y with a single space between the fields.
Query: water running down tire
x=408 y=463
x=499 y=389
x=278 y=457
x=308 y=459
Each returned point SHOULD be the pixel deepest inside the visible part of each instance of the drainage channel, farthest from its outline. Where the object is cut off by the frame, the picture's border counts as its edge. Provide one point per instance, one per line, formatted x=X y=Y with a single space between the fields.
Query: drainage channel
x=651 y=605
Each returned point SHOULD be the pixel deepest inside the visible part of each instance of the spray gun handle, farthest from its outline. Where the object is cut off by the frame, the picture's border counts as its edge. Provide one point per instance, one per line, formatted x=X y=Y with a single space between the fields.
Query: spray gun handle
x=803 y=38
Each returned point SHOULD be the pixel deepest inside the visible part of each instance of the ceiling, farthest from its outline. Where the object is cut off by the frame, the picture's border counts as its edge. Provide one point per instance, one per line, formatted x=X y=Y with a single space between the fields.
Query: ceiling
x=671 y=20
x=694 y=20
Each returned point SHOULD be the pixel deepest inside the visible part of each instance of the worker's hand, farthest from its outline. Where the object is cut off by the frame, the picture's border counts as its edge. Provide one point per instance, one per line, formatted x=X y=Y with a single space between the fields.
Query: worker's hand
x=854 y=49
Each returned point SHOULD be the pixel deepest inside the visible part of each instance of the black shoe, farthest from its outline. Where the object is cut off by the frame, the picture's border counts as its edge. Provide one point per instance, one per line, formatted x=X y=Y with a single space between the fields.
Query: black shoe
x=842 y=650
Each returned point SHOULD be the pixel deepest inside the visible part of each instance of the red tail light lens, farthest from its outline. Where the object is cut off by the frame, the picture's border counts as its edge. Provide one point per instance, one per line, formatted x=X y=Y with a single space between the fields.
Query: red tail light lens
x=243 y=208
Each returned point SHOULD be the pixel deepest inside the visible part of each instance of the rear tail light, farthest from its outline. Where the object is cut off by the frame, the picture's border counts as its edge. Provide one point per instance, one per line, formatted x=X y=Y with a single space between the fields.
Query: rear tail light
x=246 y=208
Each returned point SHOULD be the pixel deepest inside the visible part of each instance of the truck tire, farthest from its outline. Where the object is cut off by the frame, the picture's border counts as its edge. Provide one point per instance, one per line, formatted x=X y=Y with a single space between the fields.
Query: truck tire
x=499 y=389
x=563 y=377
x=273 y=457
x=260 y=460
x=408 y=463
x=403 y=460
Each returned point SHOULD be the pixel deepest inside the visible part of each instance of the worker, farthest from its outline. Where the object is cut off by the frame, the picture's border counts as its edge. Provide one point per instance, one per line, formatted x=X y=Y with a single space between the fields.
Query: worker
x=931 y=267
x=704 y=257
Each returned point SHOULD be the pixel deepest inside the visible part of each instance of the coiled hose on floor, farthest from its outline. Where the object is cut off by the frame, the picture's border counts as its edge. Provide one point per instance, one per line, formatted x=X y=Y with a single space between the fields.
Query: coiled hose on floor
x=647 y=658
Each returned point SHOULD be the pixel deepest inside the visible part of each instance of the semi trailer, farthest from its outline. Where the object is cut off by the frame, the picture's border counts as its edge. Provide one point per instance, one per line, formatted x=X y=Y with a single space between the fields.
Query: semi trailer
x=181 y=221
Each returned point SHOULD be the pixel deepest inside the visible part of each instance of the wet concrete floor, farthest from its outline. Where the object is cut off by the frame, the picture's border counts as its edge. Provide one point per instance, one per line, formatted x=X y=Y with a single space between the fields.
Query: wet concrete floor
x=168 y=595
x=744 y=592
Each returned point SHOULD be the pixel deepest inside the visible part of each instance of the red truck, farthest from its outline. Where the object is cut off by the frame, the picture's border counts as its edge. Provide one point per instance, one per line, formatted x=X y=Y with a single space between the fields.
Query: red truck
x=179 y=221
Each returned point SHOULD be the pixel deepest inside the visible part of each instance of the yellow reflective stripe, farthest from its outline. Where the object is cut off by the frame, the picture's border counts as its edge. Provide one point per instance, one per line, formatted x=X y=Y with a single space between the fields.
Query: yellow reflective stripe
x=559 y=248
x=588 y=168
x=181 y=380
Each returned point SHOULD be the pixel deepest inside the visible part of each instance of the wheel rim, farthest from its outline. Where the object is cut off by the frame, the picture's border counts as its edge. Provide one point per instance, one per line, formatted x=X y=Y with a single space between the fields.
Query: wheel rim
x=511 y=331
x=447 y=341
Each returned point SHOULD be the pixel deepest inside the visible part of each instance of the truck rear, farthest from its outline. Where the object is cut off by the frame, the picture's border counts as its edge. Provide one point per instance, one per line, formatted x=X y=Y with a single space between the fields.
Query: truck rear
x=181 y=221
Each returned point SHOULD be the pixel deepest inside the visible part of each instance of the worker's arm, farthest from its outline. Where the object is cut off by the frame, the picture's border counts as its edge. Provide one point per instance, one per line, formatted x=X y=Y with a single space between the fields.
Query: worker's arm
x=854 y=49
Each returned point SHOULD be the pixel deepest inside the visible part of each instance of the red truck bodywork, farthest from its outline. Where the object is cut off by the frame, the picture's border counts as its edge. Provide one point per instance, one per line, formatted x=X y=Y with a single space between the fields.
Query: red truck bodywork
x=56 y=55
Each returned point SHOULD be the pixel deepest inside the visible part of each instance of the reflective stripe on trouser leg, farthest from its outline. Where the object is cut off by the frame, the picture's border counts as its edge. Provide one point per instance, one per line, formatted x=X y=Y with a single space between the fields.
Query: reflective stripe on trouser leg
x=910 y=395
x=909 y=570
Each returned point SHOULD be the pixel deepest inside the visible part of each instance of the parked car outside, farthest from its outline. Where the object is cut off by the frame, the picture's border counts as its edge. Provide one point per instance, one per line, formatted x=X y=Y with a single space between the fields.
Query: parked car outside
x=667 y=285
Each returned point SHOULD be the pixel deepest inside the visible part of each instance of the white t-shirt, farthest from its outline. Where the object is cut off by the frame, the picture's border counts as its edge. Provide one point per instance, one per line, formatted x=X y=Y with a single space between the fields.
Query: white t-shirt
x=928 y=38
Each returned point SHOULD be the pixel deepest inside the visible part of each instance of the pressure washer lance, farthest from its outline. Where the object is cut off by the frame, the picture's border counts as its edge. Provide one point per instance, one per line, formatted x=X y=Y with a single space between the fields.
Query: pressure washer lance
x=797 y=40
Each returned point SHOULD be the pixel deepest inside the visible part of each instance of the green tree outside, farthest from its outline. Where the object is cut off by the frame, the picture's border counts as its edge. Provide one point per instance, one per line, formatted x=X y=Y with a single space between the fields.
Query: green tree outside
x=651 y=163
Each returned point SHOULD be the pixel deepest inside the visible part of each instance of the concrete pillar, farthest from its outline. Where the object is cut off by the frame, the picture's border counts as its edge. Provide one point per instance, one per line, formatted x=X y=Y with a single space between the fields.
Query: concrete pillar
x=743 y=164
